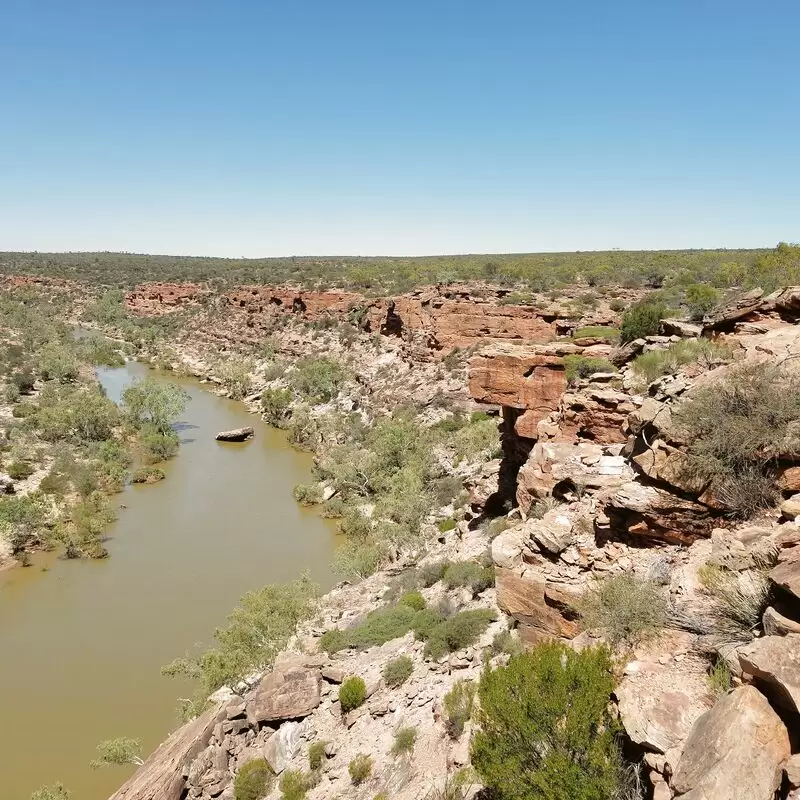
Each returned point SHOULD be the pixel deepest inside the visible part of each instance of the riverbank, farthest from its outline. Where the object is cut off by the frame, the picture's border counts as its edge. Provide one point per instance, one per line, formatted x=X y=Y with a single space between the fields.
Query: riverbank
x=182 y=552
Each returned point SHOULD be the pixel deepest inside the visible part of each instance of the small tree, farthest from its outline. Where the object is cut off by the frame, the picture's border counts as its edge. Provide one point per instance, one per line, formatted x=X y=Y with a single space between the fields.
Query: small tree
x=700 y=298
x=122 y=750
x=641 y=320
x=156 y=402
x=545 y=729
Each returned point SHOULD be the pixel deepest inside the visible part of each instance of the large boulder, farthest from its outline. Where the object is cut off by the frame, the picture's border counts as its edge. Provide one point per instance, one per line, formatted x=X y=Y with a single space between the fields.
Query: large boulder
x=735 y=751
x=529 y=599
x=163 y=775
x=775 y=661
x=285 y=694
x=657 y=720
x=235 y=435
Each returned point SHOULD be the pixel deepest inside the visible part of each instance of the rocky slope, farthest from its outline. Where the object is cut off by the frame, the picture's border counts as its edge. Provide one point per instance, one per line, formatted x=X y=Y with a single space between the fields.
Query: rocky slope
x=596 y=465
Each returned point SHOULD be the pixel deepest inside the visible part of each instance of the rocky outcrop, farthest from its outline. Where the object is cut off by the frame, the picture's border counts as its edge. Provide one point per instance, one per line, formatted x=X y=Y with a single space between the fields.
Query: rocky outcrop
x=163 y=775
x=154 y=299
x=534 y=605
x=735 y=751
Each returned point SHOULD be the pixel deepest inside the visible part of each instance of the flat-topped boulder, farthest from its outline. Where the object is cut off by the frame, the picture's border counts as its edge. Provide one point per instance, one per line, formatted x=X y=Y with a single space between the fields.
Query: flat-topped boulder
x=236 y=435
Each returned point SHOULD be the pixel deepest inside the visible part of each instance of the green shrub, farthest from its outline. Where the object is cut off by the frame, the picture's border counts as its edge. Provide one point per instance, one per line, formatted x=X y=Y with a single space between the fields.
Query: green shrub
x=55 y=482
x=456 y=632
x=383 y=625
x=447 y=525
x=429 y=574
x=23 y=410
x=720 y=680
x=738 y=428
x=148 y=475
x=334 y=640
x=643 y=319
x=596 y=332
x=316 y=755
x=352 y=693
x=576 y=367
x=253 y=780
x=360 y=768
x=294 y=785
x=234 y=376
x=458 y=703
x=556 y=740
x=307 y=494
x=158 y=445
x=617 y=305
x=398 y=671
x=506 y=642
x=470 y=575
x=154 y=403
x=20 y=470
x=334 y=508
x=413 y=599
x=404 y=741
x=700 y=299
x=624 y=607
x=275 y=403
x=318 y=379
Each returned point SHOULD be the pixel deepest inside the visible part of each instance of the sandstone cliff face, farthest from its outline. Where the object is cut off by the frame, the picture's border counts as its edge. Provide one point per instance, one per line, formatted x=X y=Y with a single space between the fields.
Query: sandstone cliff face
x=437 y=319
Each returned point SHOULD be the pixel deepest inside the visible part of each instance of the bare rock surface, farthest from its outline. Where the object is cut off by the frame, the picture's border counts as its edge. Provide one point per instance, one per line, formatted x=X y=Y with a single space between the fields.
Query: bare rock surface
x=775 y=661
x=735 y=751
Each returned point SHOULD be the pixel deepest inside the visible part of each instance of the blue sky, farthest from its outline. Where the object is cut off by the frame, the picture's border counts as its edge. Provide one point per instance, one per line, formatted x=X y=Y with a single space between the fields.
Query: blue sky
x=375 y=127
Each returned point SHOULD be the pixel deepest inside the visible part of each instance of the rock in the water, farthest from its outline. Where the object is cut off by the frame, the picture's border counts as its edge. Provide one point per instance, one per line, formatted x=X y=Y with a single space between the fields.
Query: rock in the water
x=285 y=695
x=775 y=660
x=735 y=751
x=235 y=435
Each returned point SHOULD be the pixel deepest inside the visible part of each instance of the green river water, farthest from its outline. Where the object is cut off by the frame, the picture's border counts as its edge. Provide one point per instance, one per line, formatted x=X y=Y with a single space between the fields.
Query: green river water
x=82 y=643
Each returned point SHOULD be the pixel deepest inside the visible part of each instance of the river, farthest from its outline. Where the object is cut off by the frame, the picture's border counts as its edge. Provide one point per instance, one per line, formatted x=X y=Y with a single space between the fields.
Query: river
x=81 y=645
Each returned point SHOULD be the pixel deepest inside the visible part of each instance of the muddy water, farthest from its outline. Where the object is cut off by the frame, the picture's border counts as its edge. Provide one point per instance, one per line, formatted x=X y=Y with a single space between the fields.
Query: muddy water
x=81 y=645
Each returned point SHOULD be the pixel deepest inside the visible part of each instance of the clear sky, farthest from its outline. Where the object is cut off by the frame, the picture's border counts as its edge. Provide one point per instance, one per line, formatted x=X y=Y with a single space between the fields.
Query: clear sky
x=277 y=127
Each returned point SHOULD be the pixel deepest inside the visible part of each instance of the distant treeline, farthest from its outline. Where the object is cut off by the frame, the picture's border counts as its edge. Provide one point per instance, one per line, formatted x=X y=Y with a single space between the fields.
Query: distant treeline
x=535 y=272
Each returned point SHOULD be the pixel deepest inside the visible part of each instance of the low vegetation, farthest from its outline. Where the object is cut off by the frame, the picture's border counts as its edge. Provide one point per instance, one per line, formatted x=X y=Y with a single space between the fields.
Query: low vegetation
x=656 y=363
x=624 y=608
x=441 y=631
x=316 y=755
x=556 y=741
x=397 y=671
x=576 y=367
x=294 y=784
x=404 y=741
x=360 y=768
x=737 y=429
x=458 y=704
x=253 y=780
x=352 y=693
